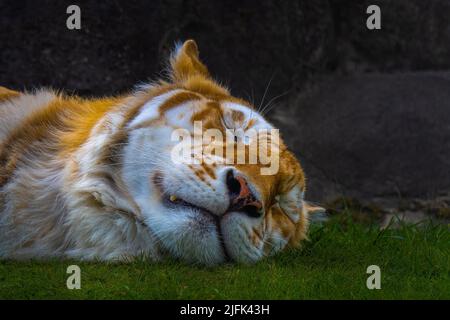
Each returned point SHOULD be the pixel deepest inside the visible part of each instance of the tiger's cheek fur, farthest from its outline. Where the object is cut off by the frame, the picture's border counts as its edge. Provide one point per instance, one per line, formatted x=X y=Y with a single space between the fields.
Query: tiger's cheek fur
x=283 y=232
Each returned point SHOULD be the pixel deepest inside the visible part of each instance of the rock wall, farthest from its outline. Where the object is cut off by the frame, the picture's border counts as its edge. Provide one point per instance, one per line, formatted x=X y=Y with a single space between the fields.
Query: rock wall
x=373 y=136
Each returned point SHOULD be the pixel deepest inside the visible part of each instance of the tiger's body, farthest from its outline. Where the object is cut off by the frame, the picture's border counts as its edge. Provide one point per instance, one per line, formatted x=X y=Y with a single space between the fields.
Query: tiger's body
x=93 y=178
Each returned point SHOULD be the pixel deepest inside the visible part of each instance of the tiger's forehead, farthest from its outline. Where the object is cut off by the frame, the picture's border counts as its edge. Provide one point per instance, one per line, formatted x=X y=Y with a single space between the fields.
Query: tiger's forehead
x=181 y=108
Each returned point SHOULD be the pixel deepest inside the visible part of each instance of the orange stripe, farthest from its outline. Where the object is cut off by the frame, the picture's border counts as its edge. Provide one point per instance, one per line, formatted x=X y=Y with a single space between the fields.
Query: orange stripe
x=178 y=99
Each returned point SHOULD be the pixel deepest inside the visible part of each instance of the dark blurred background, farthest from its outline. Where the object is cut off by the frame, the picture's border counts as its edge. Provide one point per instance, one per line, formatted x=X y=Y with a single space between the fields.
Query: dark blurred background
x=366 y=111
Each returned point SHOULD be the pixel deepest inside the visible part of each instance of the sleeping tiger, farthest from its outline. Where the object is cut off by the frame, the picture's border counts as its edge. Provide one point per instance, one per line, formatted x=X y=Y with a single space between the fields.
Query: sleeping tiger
x=94 y=179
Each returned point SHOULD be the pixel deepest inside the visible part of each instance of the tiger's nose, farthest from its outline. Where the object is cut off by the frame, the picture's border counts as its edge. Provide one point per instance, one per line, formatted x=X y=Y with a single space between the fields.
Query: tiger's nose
x=242 y=198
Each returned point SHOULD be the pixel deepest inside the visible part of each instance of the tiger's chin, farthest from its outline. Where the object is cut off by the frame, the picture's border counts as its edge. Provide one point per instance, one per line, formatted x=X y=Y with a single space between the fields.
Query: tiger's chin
x=196 y=235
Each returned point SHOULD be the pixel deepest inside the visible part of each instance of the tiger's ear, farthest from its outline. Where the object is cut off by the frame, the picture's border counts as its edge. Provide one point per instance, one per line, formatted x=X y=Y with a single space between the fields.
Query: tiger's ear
x=313 y=209
x=316 y=213
x=185 y=62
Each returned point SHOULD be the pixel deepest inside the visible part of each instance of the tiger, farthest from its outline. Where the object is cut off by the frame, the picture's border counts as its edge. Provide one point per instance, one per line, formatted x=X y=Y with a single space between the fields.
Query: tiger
x=93 y=179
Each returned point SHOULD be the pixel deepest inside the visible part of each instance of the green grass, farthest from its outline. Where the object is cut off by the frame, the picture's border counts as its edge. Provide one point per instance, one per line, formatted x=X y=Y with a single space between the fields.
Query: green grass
x=414 y=262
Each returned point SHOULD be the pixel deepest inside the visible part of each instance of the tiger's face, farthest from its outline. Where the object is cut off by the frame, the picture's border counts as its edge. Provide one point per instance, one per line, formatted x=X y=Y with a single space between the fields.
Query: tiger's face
x=213 y=208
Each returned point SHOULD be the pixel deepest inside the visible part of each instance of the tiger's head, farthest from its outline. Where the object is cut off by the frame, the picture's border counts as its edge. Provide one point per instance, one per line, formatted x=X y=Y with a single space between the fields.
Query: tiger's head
x=207 y=202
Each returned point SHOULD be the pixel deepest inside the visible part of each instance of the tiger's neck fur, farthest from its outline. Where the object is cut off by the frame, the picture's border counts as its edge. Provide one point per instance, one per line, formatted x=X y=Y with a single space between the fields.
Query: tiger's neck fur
x=55 y=148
